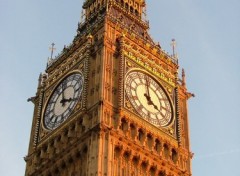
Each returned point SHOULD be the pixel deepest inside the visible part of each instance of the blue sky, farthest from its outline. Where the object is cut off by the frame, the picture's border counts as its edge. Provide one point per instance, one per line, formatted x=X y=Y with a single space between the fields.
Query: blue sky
x=208 y=44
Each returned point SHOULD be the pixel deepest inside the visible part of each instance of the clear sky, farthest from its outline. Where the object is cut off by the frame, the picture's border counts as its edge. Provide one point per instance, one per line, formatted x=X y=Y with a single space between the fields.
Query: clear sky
x=208 y=44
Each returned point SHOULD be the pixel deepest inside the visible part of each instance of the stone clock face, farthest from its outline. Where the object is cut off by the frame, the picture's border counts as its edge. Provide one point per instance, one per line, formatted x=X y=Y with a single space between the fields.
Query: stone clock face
x=63 y=100
x=149 y=99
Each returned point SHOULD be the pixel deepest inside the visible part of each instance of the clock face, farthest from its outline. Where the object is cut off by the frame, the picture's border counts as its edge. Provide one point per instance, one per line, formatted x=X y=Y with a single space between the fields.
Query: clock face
x=149 y=99
x=63 y=100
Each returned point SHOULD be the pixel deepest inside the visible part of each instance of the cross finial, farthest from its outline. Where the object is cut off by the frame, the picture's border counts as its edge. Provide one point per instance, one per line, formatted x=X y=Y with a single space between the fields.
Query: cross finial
x=52 y=49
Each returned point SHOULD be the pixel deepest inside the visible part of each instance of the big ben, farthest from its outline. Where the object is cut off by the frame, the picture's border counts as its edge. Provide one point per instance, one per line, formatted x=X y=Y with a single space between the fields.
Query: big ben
x=112 y=103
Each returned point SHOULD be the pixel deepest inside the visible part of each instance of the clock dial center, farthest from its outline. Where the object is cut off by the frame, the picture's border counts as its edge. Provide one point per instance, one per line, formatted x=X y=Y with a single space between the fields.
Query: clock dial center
x=62 y=104
x=147 y=101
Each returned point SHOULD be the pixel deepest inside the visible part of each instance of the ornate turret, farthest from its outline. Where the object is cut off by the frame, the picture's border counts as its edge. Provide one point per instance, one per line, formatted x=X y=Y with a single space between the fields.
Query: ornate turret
x=134 y=7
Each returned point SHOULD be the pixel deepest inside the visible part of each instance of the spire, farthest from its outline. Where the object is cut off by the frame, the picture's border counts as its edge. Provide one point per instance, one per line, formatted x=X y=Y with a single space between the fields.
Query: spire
x=174 y=54
x=183 y=78
x=189 y=95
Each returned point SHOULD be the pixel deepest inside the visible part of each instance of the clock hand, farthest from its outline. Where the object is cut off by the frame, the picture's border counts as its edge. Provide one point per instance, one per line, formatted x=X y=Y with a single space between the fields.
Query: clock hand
x=147 y=86
x=63 y=101
x=68 y=100
x=147 y=94
x=162 y=115
x=155 y=107
x=149 y=101
x=73 y=99
x=63 y=96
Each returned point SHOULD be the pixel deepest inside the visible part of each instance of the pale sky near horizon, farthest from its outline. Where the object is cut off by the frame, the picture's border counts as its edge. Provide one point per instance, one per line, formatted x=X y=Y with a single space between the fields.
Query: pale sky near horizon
x=208 y=45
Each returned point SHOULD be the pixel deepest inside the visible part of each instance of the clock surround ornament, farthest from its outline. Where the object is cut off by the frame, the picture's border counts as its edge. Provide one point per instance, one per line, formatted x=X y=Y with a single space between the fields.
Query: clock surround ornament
x=149 y=98
x=63 y=100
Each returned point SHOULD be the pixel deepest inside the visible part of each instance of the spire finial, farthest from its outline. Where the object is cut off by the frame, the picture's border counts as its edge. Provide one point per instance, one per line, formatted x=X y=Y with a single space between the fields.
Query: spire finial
x=144 y=12
x=174 y=54
x=173 y=44
x=52 y=49
x=83 y=16
x=183 y=78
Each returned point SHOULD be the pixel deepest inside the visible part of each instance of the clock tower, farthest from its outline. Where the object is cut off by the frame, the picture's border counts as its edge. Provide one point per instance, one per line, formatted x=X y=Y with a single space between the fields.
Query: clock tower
x=112 y=103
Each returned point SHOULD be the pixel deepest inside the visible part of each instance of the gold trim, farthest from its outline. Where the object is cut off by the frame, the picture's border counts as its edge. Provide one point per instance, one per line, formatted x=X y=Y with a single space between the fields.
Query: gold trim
x=150 y=69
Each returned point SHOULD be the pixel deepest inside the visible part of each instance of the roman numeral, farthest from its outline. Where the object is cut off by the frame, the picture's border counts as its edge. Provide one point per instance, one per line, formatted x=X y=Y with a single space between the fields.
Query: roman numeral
x=166 y=109
x=48 y=112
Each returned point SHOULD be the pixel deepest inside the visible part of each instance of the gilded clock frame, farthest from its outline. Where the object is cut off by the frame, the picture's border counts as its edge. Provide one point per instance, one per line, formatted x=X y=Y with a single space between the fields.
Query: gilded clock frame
x=76 y=71
x=163 y=89
x=168 y=88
